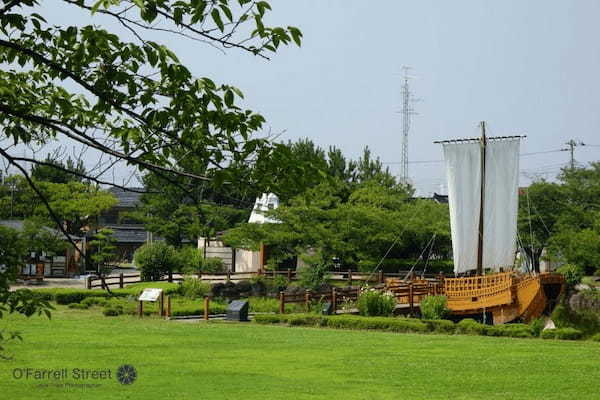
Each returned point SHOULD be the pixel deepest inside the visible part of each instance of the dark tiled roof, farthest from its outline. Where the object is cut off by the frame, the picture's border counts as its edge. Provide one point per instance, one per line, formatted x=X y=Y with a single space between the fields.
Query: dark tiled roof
x=18 y=225
x=126 y=198
x=440 y=198
x=129 y=233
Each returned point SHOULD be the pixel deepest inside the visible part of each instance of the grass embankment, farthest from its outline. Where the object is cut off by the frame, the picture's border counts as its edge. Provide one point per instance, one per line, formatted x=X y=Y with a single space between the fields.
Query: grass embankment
x=251 y=361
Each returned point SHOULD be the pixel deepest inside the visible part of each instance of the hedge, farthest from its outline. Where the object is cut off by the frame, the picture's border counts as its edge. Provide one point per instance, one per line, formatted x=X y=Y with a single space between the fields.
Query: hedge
x=409 y=325
x=562 y=333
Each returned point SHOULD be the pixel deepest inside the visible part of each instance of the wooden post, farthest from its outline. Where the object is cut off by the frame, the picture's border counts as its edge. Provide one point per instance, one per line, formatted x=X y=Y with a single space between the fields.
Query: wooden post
x=349 y=277
x=289 y=274
x=410 y=296
x=140 y=309
x=89 y=282
x=121 y=280
x=281 y=302
x=206 y=306
x=380 y=276
x=307 y=299
x=334 y=300
x=169 y=306
x=228 y=276
x=161 y=304
x=170 y=276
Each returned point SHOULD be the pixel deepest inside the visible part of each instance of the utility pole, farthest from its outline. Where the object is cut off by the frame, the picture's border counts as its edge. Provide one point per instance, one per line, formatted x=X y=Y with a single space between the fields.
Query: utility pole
x=572 y=144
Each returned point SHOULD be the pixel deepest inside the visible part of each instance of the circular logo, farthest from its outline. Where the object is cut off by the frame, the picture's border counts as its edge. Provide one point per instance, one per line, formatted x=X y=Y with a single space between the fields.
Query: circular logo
x=126 y=374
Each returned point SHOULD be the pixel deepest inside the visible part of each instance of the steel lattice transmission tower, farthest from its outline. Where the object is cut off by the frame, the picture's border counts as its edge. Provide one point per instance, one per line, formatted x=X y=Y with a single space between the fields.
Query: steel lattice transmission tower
x=407 y=113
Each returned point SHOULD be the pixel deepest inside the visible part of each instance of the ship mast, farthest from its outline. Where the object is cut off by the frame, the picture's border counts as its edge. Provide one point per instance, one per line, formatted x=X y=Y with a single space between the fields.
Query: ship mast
x=482 y=198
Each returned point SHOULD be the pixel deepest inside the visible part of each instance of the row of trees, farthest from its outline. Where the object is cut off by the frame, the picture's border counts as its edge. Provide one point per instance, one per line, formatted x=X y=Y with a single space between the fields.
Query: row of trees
x=563 y=217
x=354 y=211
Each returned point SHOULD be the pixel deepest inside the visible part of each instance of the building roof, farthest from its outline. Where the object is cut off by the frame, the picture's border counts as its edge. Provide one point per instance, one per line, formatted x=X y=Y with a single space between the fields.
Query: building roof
x=129 y=233
x=126 y=198
x=19 y=225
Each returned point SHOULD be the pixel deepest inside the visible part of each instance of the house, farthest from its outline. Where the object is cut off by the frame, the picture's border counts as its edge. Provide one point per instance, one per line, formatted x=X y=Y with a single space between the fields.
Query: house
x=129 y=235
x=64 y=264
x=240 y=260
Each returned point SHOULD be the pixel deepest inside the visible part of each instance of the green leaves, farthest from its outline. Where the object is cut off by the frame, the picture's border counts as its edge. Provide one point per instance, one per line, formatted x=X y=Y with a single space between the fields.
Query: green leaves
x=216 y=16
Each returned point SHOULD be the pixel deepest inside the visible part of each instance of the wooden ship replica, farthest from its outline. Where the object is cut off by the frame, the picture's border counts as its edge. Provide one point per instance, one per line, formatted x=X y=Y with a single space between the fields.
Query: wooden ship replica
x=483 y=199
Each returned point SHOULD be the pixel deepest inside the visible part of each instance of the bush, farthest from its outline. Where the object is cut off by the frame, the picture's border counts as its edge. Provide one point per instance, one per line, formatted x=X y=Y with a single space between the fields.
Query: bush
x=193 y=288
x=469 y=326
x=510 y=330
x=440 y=326
x=113 y=308
x=596 y=337
x=314 y=276
x=270 y=318
x=155 y=260
x=537 y=326
x=213 y=265
x=585 y=321
x=93 y=301
x=562 y=333
x=434 y=307
x=572 y=273
x=373 y=302
x=190 y=260
x=78 y=306
x=67 y=296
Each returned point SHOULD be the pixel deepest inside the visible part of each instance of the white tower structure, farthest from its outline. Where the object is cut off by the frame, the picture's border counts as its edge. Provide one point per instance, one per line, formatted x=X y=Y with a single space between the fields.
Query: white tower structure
x=407 y=113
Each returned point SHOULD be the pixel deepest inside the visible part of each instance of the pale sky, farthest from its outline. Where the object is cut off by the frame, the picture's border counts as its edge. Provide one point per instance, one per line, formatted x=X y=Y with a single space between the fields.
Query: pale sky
x=525 y=67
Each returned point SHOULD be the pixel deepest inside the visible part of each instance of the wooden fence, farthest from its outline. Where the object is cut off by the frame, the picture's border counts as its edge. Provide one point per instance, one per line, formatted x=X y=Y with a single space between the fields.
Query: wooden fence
x=334 y=296
x=349 y=277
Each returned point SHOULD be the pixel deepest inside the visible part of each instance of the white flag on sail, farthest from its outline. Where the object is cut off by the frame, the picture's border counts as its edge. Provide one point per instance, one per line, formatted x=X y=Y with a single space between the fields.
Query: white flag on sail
x=463 y=167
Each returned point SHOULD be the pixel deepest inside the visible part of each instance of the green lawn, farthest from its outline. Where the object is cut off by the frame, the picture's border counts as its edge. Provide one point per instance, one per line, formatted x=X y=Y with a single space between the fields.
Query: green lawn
x=246 y=361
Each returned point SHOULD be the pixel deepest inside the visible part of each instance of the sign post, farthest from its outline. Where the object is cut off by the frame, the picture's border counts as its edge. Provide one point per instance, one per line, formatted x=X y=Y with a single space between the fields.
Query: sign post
x=152 y=295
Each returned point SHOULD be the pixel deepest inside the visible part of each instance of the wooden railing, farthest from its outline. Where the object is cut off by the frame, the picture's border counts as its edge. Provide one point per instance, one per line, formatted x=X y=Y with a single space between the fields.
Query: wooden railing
x=334 y=296
x=350 y=277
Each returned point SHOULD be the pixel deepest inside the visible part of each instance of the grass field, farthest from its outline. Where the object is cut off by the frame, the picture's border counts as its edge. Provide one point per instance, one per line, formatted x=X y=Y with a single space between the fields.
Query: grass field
x=182 y=360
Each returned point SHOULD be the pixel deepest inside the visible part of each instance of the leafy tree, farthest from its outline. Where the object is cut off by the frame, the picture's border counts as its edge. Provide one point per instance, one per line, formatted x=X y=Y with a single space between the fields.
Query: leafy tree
x=373 y=221
x=155 y=260
x=104 y=248
x=540 y=207
x=134 y=102
x=13 y=249
x=55 y=171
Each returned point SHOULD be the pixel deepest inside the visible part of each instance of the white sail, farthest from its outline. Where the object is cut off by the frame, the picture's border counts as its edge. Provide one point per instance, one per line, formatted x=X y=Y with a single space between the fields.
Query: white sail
x=501 y=203
x=463 y=167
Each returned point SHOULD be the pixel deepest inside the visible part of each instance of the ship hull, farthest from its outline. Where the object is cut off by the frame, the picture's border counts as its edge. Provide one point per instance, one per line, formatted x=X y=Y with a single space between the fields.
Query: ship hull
x=507 y=297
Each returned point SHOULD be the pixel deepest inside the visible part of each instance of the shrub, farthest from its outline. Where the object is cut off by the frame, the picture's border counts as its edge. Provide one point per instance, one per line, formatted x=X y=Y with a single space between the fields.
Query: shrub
x=537 y=326
x=189 y=260
x=270 y=318
x=193 y=288
x=440 y=325
x=376 y=323
x=78 y=306
x=313 y=276
x=67 y=296
x=373 y=302
x=93 y=301
x=155 y=260
x=434 y=307
x=562 y=333
x=112 y=309
x=510 y=330
x=596 y=337
x=469 y=326
x=572 y=273
x=585 y=321
x=213 y=265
